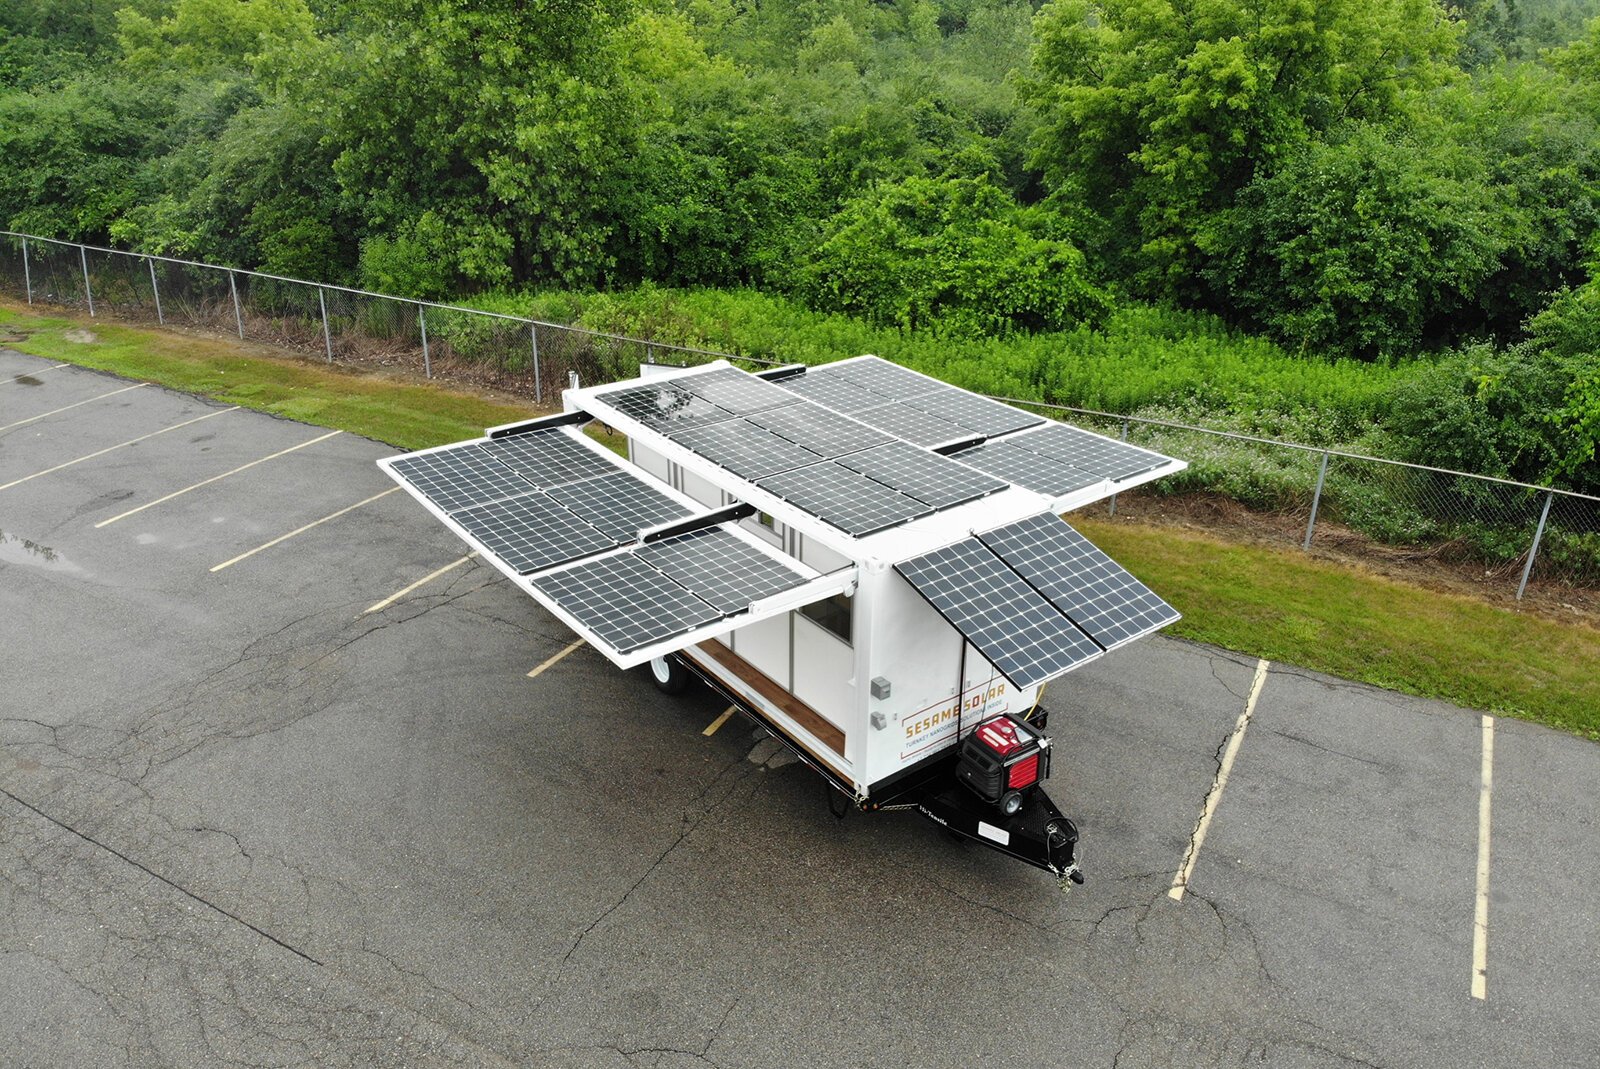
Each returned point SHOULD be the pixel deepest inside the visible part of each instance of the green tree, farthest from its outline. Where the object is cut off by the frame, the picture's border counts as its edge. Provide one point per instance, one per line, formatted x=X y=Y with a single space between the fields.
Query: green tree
x=1155 y=113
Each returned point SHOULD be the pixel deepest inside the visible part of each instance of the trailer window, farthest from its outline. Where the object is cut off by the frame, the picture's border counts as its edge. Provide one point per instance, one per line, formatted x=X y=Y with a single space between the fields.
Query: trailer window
x=835 y=614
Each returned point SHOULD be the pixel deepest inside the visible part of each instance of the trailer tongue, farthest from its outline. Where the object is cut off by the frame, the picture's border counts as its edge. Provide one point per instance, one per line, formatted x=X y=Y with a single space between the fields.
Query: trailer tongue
x=865 y=560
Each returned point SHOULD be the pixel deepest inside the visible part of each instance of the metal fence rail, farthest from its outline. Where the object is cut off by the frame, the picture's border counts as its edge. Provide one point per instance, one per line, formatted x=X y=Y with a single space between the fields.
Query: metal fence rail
x=1296 y=493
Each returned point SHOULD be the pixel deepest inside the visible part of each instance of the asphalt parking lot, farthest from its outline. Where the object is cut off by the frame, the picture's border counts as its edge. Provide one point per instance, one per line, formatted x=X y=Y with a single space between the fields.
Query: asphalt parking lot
x=271 y=800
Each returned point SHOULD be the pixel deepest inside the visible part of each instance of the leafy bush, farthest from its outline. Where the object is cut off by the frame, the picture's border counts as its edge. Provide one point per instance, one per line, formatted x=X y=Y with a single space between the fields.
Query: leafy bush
x=952 y=255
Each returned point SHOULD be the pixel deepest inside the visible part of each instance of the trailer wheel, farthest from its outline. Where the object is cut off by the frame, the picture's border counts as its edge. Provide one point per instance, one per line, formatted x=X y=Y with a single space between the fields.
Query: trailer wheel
x=669 y=674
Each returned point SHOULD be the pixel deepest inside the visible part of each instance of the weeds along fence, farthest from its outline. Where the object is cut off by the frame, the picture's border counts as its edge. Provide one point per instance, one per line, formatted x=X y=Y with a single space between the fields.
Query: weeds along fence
x=339 y=324
x=1410 y=516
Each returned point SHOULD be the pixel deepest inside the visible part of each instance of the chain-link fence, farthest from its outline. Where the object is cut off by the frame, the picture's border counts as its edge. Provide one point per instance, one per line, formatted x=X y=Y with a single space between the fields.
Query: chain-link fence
x=1503 y=533
x=339 y=324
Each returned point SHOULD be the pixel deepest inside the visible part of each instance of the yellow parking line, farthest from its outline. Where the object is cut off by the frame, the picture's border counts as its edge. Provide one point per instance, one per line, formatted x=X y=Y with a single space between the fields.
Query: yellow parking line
x=554 y=659
x=1480 y=917
x=214 y=478
x=303 y=530
x=119 y=445
x=719 y=721
x=63 y=408
x=430 y=577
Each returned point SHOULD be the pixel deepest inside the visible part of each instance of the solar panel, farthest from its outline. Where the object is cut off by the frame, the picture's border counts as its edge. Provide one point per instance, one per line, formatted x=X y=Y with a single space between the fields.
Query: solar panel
x=928 y=477
x=912 y=424
x=720 y=568
x=1008 y=460
x=744 y=449
x=816 y=428
x=1020 y=633
x=1095 y=453
x=834 y=391
x=891 y=380
x=736 y=391
x=532 y=532
x=624 y=602
x=618 y=505
x=663 y=405
x=851 y=502
x=460 y=477
x=977 y=414
x=1079 y=579
x=548 y=458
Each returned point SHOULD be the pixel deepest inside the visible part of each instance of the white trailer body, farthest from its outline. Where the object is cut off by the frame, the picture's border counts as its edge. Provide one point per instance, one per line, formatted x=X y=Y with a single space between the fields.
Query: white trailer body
x=863 y=558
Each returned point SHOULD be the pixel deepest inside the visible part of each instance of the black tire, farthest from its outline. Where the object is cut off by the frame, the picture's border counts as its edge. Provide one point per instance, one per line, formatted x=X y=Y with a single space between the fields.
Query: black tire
x=669 y=675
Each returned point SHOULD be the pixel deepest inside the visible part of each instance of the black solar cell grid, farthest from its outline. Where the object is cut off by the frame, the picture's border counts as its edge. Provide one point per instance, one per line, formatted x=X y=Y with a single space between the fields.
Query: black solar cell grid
x=736 y=391
x=720 y=568
x=1021 y=634
x=819 y=429
x=743 y=448
x=532 y=532
x=913 y=425
x=1093 y=453
x=930 y=478
x=549 y=458
x=1007 y=460
x=618 y=505
x=460 y=477
x=833 y=391
x=977 y=414
x=891 y=380
x=662 y=405
x=849 y=501
x=625 y=602
x=1078 y=578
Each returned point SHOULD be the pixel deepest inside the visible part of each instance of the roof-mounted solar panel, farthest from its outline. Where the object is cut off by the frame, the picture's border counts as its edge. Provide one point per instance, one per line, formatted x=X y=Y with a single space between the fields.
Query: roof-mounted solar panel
x=834 y=391
x=665 y=404
x=819 y=429
x=532 y=532
x=930 y=478
x=1090 y=452
x=1008 y=460
x=881 y=376
x=1025 y=637
x=735 y=391
x=720 y=568
x=548 y=458
x=977 y=414
x=912 y=424
x=743 y=448
x=460 y=477
x=843 y=498
x=624 y=602
x=619 y=505
x=1077 y=577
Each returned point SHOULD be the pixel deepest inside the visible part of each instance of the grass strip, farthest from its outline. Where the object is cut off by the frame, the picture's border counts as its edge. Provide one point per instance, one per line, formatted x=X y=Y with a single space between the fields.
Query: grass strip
x=1258 y=600
x=1342 y=620
x=409 y=415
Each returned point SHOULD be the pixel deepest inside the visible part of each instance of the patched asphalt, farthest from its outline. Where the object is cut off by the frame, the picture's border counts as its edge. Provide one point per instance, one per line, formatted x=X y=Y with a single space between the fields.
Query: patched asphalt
x=244 y=821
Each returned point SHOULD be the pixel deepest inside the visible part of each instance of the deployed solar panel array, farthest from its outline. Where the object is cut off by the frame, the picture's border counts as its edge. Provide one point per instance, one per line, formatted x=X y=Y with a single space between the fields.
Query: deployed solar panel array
x=537 y=499
x=1036 y=598
x=648 y=594
x=1059 y=459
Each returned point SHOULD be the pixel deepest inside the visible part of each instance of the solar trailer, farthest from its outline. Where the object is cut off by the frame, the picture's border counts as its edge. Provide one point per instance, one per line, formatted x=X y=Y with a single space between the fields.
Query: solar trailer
x=867 y=561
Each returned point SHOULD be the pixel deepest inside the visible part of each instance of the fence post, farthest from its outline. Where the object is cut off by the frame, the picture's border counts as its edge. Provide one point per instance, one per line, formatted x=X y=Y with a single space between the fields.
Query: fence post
x=538 y=380
x=155 y=290
x=427 y=361
x=572 y=380
x=27 y=272
x=327 y=336
x=1114 y=496
x=1316 y=501
x=238 y=316
x=1533 y=550
x=88 y=295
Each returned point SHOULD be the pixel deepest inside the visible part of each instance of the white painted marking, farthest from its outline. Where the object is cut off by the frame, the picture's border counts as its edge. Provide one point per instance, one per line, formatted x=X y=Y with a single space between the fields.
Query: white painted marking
x=110 y=448
x=430 y=577
x=24 y=374
x=1180 y=882
x=303 y=530
x=554 y=659
x=214 y=478
x=63 y=408
x=1480 y=919
x=711 y=729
